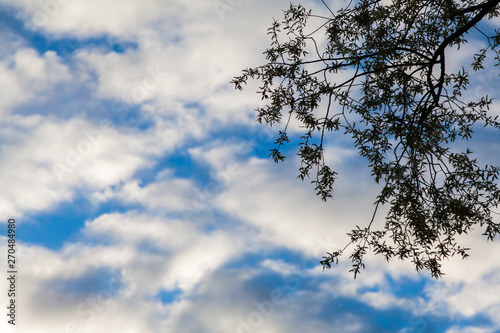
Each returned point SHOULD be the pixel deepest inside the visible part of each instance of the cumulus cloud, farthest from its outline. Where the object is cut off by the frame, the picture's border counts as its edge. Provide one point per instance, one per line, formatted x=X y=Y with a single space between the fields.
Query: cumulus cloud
x=83 y=284
x=72 y=17
x=284 y=209
x=65 y=155
x=27 y=76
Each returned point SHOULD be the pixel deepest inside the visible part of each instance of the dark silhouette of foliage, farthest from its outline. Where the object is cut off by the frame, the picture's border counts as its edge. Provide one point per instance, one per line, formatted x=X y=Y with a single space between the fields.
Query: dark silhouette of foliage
x=376 y=71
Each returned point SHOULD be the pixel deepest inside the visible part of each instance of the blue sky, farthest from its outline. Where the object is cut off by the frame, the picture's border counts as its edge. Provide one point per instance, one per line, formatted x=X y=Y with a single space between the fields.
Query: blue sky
x=146 y=202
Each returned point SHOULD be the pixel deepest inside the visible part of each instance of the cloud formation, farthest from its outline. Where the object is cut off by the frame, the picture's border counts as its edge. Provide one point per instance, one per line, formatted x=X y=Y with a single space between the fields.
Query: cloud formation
x=125 y=108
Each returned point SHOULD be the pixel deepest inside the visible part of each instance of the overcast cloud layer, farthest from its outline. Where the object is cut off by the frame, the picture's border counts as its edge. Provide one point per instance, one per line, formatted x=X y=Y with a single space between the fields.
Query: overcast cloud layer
x=145 y=201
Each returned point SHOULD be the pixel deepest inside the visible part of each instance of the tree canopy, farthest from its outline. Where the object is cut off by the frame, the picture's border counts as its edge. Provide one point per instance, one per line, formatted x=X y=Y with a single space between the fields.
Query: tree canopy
x=377 y=71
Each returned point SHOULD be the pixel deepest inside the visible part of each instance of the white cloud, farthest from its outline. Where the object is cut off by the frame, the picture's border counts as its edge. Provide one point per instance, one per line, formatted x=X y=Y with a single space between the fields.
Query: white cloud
x=66 y=155
x=145 y=255
x=166 y=193
x=90 y=18
x=26 y=77
x=285 y=210
x=470 y=329
x=192 y=254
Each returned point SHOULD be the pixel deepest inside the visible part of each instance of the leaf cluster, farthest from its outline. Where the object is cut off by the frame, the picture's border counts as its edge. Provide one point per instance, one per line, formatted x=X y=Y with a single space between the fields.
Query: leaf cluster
x=380 y=77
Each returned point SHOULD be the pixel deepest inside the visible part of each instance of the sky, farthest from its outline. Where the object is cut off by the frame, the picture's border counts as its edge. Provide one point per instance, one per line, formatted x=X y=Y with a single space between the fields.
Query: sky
x=145 y=202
